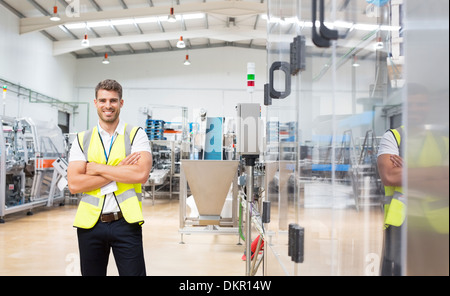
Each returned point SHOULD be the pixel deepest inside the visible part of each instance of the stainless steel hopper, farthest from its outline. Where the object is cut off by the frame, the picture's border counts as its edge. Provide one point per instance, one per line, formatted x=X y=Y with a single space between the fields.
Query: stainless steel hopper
x=209 y=181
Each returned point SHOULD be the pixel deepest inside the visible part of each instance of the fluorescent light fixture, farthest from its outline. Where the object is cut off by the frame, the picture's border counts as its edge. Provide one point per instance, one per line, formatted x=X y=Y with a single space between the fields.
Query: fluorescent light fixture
x=143 y=20
x=122 y=22
x=336 y=24
x=366 y=27
x=99 y=24
x=291 y=20
x=130 y=21
x=75 y=26
x=390 y=28
x=193 y=16
x=342 y=24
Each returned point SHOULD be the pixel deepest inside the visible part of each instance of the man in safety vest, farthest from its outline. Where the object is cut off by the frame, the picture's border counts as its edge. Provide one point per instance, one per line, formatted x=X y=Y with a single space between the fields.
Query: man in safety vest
x=426 y=239
x=390 y=167
x=108 y=164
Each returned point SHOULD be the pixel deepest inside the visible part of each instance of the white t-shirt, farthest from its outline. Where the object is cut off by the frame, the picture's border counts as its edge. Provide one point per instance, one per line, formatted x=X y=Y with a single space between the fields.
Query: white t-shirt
x=388 y=145
x=140 y=143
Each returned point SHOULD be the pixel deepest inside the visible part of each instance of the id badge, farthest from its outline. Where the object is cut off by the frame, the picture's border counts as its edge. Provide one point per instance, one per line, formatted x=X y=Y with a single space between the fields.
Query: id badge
x=109 y=188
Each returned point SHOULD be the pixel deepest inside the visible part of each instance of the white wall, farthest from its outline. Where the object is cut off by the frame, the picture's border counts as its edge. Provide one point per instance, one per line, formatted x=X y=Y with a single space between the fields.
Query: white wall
x=216 y=81
x=27 y=60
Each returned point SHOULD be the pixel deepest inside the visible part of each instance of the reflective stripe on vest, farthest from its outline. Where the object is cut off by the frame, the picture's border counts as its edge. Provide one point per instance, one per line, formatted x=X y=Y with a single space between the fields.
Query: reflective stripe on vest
x=394 y=204
x=128 y=196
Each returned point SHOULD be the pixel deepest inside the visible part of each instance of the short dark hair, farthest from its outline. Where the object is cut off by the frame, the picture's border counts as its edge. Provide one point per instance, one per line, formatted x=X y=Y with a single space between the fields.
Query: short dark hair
x=109 y=84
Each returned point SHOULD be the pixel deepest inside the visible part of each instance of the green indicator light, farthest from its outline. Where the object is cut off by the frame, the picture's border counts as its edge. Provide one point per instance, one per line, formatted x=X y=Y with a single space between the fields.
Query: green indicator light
x=250 y=76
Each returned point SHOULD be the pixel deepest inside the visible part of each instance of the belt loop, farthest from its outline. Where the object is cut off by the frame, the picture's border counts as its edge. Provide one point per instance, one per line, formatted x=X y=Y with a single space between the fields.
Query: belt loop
x=116 y=217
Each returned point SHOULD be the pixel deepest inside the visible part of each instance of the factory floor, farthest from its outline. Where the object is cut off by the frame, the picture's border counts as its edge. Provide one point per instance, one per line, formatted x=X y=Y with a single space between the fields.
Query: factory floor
x=45 y=244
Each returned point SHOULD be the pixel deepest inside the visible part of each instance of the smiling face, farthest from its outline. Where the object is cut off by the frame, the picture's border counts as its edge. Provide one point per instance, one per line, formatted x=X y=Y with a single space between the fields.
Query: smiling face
x=108 y=106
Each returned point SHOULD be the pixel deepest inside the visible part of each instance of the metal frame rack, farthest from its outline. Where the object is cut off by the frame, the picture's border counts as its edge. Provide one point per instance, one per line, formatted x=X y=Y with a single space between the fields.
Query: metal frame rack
x=166 y=165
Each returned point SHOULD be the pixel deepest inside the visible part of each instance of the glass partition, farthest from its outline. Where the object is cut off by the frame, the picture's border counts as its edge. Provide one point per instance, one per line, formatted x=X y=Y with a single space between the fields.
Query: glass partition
x=427 y=128
x=322 y=136
x=281 y=130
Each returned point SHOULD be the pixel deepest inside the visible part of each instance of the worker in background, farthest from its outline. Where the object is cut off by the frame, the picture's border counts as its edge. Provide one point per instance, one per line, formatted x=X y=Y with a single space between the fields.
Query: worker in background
x=390 y=167
x=107 y=164
x=427 y=162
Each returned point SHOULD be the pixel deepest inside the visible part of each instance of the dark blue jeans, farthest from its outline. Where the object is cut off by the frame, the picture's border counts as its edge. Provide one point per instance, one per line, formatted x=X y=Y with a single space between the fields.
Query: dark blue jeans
x=123 y=238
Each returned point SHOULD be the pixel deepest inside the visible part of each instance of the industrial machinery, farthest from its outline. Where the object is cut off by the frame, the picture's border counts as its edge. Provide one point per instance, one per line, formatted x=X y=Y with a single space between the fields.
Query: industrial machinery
x=212 y=179
x=227 y=185
x=28 y=150
x=209 y=182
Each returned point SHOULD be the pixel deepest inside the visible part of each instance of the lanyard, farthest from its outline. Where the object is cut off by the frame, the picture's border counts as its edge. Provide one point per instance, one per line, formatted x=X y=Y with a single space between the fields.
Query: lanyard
x=110 y=145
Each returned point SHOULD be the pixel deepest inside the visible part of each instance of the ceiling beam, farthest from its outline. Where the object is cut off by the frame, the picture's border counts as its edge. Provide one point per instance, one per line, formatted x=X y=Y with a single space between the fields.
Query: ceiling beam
x=224 y=34
x=145 y=51
x=232 y=8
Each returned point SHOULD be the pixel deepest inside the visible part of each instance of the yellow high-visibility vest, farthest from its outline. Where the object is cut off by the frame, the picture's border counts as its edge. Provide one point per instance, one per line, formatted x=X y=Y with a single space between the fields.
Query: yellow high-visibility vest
x=128 y=196
x=431 y=153
x=394 y=207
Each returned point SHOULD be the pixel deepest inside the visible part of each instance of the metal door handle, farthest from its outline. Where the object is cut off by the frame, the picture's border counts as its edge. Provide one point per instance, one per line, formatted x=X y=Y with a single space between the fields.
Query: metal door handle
x=286 y=68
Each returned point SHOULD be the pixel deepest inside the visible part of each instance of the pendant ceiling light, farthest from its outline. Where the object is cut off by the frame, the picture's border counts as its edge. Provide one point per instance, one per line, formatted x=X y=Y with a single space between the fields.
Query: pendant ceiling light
x=186 y=61
x=379 y=44
x=355 y=61
x=85 y=41
x=55 y=17
x=180 y=43
x=105 y=59
x=171 y=17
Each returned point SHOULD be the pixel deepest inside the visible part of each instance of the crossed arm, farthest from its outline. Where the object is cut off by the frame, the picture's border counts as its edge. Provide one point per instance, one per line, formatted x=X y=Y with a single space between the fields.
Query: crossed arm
x=390 y=167
x=86 y=176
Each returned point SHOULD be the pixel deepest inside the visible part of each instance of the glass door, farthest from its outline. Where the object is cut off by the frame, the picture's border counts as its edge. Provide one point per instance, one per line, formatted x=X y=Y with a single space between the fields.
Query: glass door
x=331 y=94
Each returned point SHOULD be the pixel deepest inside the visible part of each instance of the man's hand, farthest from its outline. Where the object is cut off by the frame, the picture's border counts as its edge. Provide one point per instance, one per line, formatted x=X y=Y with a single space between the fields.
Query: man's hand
x=131 y=159
x=390 y=168
x=397 y=161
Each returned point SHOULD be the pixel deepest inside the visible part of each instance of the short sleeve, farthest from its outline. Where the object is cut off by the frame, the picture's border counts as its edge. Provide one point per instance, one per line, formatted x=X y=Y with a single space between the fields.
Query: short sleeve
x=75 y=153
x=388 y=145
x=140 y=142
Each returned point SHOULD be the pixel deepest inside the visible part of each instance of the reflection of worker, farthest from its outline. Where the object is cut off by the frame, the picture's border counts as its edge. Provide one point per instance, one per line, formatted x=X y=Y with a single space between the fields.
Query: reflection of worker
x=390 y=166
x=427 y=177
x=428 y=183
x=108 y=163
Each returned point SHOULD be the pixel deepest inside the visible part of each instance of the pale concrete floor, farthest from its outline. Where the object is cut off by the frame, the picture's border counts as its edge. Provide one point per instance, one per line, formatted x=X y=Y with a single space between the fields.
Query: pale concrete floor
x=46 y=244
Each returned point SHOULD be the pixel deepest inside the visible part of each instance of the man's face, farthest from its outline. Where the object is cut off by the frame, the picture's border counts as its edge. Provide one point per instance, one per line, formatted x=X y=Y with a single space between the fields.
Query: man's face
x=108 y=105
